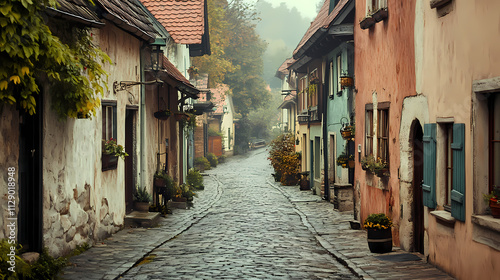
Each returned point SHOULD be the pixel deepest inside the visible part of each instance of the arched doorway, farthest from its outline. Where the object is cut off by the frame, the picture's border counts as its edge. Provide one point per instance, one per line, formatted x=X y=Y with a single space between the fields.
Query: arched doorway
x=418 y=207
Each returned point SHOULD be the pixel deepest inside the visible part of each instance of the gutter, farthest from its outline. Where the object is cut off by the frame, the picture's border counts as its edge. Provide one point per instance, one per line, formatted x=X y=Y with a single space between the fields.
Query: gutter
x=75 y=18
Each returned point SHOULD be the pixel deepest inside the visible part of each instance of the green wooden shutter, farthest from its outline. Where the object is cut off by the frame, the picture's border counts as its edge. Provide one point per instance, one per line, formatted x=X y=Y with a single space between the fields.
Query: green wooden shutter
x=429 y=183
x=458 y=192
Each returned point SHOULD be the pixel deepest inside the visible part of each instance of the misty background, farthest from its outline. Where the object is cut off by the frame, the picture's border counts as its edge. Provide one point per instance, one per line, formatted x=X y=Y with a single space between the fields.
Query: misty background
x=281 y=27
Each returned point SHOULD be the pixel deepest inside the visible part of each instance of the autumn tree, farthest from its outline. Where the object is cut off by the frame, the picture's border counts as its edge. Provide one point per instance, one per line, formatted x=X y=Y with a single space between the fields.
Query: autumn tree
x=30 y=51
x=237 y=54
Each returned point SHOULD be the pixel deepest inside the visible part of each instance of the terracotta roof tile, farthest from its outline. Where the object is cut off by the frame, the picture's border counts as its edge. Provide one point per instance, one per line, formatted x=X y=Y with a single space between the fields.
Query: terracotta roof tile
x=183 y=19
x=219 y=97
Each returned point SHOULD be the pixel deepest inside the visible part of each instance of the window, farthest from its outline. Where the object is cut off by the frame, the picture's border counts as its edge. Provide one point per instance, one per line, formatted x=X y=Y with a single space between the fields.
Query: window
x=494 y=142
x=454 y=144
x=339 y=72
x=109 y=162
x=448 y=165
x=108 y=120
x=383 y=134
x=303 y=93
x=374 y=5
x=314 y=83
x=369 y=130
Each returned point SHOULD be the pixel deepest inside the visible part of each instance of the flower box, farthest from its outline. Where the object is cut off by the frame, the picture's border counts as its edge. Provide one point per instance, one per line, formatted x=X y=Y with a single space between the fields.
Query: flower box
x=367 y=22
x=109 y=162
x=380 y=14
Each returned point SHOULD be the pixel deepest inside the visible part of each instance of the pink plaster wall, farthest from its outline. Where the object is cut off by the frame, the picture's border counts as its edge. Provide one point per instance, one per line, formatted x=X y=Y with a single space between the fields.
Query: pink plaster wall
x=384 y=63
x=457 y=49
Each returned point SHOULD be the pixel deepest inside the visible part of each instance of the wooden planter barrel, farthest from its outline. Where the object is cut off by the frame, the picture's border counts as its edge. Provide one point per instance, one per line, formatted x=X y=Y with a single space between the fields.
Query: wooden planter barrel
x=380 y=240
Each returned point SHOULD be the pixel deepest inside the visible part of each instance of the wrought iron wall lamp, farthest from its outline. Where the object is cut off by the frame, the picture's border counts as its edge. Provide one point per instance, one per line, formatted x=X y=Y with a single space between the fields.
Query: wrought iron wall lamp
x=156 y=65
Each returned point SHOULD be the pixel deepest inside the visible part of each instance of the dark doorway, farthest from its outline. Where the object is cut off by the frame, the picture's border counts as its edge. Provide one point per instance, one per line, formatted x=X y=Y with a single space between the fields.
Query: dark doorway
x=418 y=173
x=129 y=161
x=30 y=179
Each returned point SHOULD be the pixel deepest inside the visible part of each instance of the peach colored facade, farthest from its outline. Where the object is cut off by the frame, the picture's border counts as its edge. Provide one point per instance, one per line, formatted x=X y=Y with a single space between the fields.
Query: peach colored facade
x=384 y=74
x=457 y=70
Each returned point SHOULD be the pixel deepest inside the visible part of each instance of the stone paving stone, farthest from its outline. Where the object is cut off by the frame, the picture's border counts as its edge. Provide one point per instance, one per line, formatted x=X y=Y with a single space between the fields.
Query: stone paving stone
x=245 y=226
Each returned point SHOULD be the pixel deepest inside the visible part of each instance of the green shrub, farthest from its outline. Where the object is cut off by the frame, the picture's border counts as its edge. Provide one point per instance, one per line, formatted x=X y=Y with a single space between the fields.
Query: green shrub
x=194 y=179
x=21 y=267
x=202 y=163
x=142 y=195
x=221 y=159
x=212 y=159
x=47 y=267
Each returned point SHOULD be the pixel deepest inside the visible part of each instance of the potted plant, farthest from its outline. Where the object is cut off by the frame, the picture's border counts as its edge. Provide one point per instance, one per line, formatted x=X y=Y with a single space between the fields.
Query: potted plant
x=285 y=159
x=110 y=153
x=379 y=234
x=141 y=199
x=189 y=121
x=351 y=161
x=378 y=166
x=345 y=80
x=162 y=114
x=348 y=132
x=112 y=148
x=493 y=199
x=343 y=160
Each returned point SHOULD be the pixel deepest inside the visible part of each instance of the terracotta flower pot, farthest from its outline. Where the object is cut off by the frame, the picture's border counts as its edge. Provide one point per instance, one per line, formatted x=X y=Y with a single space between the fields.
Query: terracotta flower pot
x=495 y=208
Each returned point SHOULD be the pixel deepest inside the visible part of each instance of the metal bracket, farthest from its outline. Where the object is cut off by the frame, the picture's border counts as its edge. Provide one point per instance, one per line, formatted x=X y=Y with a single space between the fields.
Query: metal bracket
x=124 y=85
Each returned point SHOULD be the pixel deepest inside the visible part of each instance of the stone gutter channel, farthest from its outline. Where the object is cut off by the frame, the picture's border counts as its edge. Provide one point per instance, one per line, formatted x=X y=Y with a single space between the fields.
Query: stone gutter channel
x=339 y=256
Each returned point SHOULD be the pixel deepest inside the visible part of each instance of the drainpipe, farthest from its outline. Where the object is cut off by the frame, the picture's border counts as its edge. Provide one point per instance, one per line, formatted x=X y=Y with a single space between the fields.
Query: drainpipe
x=325 y=134
x=142 y=124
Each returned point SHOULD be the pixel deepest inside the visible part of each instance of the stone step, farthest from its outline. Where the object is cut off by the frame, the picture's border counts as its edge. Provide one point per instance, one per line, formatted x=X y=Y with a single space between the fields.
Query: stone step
x=142 y=219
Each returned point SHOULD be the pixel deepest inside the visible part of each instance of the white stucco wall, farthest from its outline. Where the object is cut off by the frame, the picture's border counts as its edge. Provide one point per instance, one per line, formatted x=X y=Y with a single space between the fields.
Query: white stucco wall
x=81 y=202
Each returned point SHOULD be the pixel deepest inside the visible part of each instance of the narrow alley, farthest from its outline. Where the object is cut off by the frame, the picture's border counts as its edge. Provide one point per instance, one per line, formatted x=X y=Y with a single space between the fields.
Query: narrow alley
x=245 y=226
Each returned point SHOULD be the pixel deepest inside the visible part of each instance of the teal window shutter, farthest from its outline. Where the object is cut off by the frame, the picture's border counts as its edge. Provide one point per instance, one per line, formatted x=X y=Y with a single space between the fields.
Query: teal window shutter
x=458 y=192
x=429 y=183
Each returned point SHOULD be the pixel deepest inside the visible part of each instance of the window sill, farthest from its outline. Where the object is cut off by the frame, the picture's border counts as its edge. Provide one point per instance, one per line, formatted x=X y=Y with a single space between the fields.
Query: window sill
x=486 y=230
x=487 y=221
x=444 y=217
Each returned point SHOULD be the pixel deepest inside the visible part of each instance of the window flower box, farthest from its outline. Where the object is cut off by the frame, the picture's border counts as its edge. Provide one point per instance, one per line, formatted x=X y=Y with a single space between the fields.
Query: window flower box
x=380 y=14
x=367 y=22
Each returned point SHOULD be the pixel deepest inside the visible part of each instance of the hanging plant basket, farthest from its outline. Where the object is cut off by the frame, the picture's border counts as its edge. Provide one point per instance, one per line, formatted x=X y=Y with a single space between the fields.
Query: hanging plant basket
x=347 y=132
x=346 y=82
x=162 y=114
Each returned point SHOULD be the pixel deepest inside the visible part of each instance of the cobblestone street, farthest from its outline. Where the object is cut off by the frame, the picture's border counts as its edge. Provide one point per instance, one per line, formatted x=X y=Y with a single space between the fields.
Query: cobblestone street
x=246 y=226
x=252 y=232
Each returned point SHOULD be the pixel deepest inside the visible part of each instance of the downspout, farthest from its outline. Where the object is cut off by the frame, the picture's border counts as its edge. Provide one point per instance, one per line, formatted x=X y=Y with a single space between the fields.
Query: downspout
x=142 y=116
x=325 y=133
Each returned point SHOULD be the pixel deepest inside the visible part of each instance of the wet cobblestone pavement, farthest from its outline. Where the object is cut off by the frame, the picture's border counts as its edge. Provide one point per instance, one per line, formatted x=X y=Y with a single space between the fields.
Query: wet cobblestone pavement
x=245 y=226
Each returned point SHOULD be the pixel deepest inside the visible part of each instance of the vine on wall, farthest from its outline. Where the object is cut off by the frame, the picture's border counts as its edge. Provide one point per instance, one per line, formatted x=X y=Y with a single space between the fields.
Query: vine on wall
x=29 y=50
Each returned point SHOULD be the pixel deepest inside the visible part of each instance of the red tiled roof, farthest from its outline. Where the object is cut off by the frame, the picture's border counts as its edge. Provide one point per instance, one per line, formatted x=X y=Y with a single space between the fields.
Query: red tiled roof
x=322 y=21
x=283 y=69
x=173 y=72
x=183 y=19
x=219 y=97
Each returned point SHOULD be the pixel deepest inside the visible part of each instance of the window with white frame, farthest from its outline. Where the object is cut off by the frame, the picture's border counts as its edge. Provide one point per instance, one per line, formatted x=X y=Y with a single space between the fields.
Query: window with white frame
x=381 y=118
x=374 y=5
x=108 y=120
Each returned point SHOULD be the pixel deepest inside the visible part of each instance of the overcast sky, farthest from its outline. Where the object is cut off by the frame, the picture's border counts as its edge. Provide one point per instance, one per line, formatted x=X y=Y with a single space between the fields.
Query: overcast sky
x=307 y=8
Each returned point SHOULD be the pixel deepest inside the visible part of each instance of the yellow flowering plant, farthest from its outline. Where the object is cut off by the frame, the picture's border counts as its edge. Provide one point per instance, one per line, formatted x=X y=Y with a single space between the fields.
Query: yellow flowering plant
x=377 y=221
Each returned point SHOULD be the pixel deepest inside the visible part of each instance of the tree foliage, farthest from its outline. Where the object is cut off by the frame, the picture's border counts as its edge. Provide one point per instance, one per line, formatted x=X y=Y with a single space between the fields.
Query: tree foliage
x=237 y=56
x=30 y=51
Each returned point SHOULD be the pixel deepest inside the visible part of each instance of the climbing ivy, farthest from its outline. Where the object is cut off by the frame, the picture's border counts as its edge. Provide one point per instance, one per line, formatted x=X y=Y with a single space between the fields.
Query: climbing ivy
x=29 y=51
